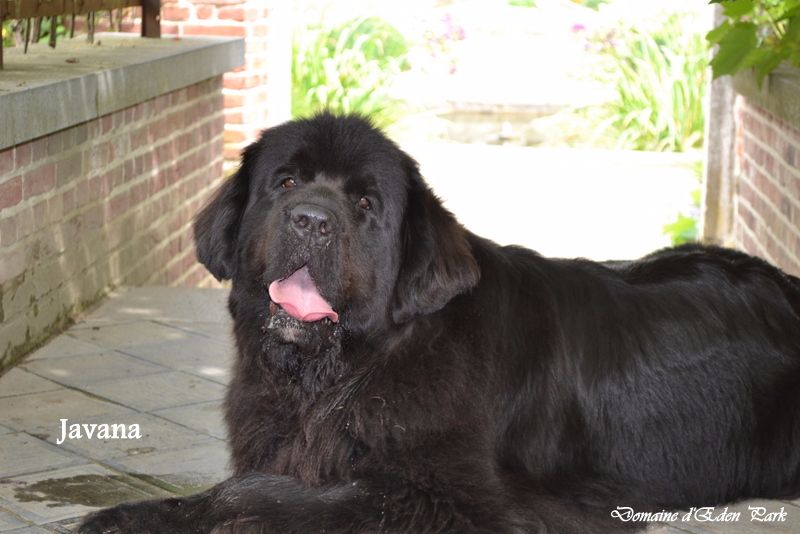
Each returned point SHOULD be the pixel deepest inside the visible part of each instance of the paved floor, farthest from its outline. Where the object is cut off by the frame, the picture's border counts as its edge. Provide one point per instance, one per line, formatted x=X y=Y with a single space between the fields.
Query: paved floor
x=155 y=357
x=159 y=358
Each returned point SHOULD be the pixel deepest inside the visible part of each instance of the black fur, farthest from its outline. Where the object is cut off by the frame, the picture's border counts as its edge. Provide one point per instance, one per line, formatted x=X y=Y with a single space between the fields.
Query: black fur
x=470 y=387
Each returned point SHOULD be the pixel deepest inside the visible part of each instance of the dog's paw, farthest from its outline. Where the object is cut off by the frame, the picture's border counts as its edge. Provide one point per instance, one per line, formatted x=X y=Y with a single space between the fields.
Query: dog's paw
x=115 y=520
x=136 y=518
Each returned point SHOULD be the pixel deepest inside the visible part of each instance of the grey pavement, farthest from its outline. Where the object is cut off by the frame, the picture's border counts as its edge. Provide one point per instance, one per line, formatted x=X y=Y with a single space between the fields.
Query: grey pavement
x=157 y=357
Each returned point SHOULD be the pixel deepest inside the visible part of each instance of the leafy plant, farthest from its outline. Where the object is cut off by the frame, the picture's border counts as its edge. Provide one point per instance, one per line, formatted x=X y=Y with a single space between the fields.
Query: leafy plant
x=5 y=33
x=522 y=3
x=759 y=34
x=659 y=77
x=348 y=68
x=591 y=4
x=684 y=229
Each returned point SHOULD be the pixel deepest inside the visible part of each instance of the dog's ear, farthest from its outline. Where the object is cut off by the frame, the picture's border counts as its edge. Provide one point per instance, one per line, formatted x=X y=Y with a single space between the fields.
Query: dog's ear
x=216 y=227
x=436 y=259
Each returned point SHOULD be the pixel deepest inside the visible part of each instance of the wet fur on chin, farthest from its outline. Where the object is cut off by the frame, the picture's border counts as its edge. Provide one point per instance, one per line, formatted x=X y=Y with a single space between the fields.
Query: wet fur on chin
x=471 y=387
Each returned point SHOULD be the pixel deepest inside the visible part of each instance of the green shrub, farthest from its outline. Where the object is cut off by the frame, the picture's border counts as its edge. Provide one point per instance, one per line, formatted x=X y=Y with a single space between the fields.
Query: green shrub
x=684 y=229
x=660 y=81
x=760 y=34
x=522 y=3
x=348 y=68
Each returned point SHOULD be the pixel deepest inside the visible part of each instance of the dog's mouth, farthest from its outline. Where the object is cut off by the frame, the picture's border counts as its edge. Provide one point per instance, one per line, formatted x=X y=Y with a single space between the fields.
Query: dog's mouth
x=298 y=296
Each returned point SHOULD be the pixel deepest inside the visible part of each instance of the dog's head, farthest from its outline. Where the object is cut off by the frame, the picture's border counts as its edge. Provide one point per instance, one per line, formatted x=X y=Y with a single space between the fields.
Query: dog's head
x=328 y=224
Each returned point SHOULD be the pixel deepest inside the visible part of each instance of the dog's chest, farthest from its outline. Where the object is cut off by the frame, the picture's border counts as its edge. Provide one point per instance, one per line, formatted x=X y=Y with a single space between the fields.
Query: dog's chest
x=323 y=445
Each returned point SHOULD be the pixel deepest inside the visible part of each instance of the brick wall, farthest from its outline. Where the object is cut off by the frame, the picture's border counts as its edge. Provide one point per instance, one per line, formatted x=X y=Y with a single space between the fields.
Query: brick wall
x=104 y=203
x=767 y=205
x=258 y=93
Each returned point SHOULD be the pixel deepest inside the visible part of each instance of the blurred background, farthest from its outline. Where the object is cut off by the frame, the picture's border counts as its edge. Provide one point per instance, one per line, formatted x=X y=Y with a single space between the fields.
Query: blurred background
x=572 y=127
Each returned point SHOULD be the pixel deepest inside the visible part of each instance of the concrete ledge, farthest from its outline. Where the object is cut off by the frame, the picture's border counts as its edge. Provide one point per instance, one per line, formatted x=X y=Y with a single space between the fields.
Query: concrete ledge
x=48 y=90
x=780 y=93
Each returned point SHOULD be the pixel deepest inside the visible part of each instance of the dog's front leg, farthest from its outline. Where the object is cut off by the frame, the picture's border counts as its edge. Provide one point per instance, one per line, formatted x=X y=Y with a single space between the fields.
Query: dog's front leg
x=266 y=504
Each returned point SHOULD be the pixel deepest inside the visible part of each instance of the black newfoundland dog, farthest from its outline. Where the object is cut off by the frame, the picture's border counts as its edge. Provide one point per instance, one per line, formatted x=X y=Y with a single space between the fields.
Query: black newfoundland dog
x=397 y=373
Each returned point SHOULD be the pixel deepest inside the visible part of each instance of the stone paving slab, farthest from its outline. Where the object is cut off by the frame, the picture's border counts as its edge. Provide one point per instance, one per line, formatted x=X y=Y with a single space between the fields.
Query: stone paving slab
x=21 y=453
x=39 y=413
x=173 y=306
x=162 y=350
x=126 y=335
x=18 y=381
x=163 y=390
x=10 y=521
x=84 y=369
x=201 y=356
x=63 y=346
x=71 y=492
x=194 y=468
x=206 y=417
x=28 y=530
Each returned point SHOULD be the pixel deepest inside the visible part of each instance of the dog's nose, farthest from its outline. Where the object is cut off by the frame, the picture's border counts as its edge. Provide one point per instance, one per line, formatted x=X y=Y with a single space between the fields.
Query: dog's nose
x=313 y=220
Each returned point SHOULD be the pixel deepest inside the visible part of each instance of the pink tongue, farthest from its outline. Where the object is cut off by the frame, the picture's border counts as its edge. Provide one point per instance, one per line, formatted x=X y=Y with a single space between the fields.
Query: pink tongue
x=298 y=295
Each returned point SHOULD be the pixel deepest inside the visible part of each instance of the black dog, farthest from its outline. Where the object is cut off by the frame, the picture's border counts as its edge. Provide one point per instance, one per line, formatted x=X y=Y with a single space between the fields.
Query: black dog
x=397 y=373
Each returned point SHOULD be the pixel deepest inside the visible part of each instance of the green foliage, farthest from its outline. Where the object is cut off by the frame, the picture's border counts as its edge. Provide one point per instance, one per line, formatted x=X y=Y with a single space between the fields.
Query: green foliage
x=758 y=34
x=591 y=4
x=659 y=77
x=348 y=68
x=522 y=3
x=684 y=229
x=10 y=27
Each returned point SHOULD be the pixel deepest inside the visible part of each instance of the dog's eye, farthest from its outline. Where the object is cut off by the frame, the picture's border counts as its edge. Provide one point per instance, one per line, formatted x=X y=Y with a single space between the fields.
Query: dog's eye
x=364 y=203
x=288 y=183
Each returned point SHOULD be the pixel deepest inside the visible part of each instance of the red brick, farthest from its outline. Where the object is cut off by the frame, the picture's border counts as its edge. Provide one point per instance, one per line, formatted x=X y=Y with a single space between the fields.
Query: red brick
x=242 y=80
x=138 y=193
x=234 y=116
x=8 y=231
x=174 y=13
x=117 y=205
x=22 y=155
x=69 y=168
x=39 y=148
x=55 y=209
x=258 y=30
x=40 y=218
x=39 y=180
x=26 y=223
x=233 y=99
x=234 y=136
x=6 y=161
x=216 y=30
x=68 y=200
x=233 y=151
x=97 y=188
x=93 y=217
x=204 y=12
x=239 y=13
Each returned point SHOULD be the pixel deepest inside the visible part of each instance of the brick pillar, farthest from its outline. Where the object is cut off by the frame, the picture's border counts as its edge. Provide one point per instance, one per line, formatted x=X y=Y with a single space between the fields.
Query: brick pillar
x=258 y=94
